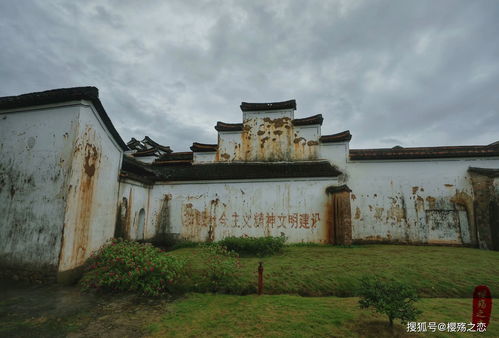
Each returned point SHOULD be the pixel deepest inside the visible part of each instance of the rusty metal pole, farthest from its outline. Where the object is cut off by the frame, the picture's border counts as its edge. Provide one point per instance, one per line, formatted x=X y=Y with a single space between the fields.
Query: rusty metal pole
x=260 y=278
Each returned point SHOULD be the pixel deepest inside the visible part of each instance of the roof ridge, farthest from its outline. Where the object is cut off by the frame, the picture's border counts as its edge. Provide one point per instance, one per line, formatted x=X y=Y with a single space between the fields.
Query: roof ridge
x=223 y=126
x=60 y=95
x=310 y=120
x=289 y=104
x=343 y=136
x=424 y=152
x=203 y=147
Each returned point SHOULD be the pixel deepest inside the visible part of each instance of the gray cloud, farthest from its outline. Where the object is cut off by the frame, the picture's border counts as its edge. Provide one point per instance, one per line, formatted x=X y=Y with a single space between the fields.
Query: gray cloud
x=393 y=72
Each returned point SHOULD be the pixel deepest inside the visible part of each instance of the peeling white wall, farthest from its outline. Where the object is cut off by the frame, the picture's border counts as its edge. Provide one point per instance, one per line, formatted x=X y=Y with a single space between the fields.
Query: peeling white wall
x=416 y=201
x=59 y=190
x=269 y=136
x=306 y=142
x=137 y=196
x=37 y=148
x=422 y=201
x=201 y=211
x=93 y=190
x=229 y=145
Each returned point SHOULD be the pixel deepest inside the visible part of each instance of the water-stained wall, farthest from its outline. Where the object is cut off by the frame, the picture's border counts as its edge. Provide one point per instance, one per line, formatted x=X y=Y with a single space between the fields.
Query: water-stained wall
x=229 y=146
x=134 y=197
x=61 y=197
x=269 y=136
x=266 y=136
x=37 y=151
x=418 y=201
x=93 y=185
x=305 y=146
x=208 y=211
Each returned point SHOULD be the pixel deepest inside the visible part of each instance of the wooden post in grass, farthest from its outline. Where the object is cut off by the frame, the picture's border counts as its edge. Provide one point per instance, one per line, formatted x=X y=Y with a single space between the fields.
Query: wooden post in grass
x=260 y=278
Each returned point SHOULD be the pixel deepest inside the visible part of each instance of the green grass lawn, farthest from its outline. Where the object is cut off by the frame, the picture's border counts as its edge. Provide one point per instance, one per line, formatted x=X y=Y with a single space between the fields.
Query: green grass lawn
x=201 y=315
x=444 y=277
x=334 y=271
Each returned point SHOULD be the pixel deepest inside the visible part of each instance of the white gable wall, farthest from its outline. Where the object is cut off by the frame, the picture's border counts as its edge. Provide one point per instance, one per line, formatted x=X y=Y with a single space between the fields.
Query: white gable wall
x=305 y=146
x=229 y=146
x=37 y=148
x=93 y=190
x=336 y=153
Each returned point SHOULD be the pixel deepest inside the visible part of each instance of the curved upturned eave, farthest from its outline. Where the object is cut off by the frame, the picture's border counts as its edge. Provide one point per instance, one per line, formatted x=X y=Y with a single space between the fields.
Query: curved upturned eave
x=246 y=106
x=344 y=136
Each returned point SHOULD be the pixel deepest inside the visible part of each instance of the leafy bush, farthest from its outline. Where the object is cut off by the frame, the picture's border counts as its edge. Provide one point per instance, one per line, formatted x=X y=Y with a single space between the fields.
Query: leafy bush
x=393 y=299
x=259 y=246
x=131 y=266
x=221 y=269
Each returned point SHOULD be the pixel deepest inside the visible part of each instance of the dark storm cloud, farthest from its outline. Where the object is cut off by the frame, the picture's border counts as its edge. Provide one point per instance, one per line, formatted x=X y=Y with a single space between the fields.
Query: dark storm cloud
x=393 y=72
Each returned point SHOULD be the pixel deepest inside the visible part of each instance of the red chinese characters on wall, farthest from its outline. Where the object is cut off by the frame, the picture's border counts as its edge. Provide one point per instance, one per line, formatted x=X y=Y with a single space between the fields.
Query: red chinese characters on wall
x=305 y=221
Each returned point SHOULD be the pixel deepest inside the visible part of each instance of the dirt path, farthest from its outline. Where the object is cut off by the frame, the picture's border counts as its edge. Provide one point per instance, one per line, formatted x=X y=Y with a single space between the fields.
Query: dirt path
x=58 y=311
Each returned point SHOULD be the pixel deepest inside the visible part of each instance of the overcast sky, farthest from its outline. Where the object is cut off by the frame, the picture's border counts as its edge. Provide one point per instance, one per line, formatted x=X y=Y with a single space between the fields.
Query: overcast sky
x=410 y=73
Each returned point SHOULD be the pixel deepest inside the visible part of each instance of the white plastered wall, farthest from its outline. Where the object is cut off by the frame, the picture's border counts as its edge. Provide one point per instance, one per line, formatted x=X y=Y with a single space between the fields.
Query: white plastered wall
x=135 y=196
x=200 y=211
x=92 y=191
x=36 y=144
x=419 y=201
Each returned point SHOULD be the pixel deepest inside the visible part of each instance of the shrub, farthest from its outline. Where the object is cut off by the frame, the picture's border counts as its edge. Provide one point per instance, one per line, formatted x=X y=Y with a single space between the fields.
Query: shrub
x=221 y=269
x=259 y=246
x=393 y=299
x=131 y=266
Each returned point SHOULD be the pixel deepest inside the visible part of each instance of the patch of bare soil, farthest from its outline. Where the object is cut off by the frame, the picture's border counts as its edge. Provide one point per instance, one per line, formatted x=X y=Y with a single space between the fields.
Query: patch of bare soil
x=61 y=311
